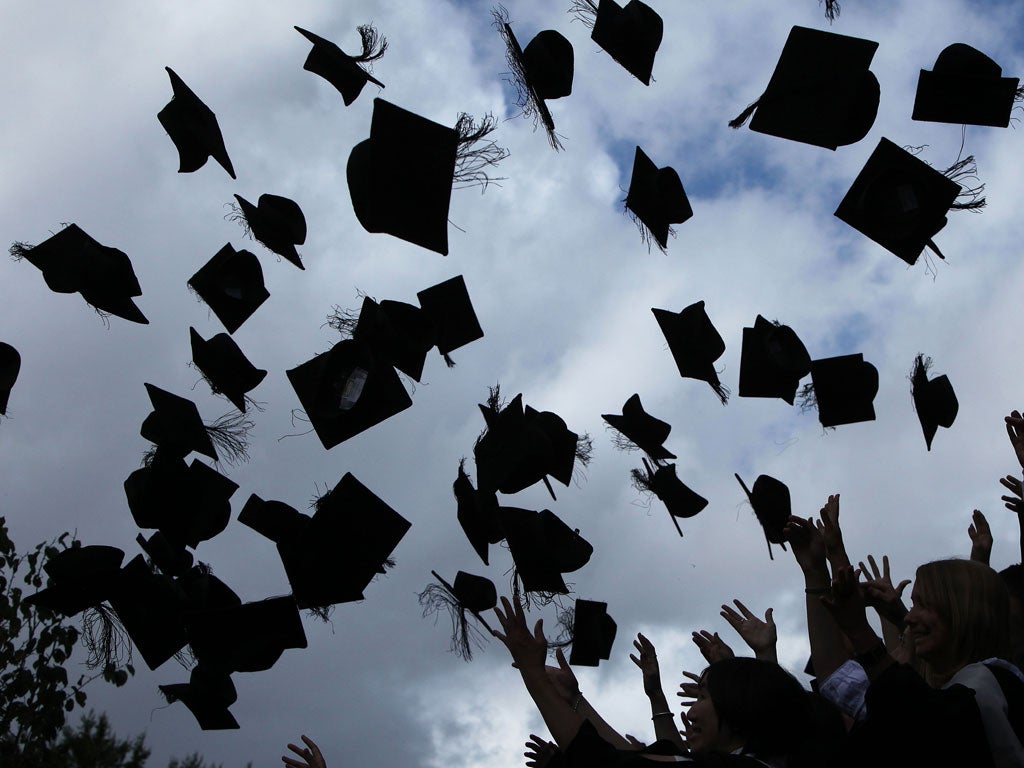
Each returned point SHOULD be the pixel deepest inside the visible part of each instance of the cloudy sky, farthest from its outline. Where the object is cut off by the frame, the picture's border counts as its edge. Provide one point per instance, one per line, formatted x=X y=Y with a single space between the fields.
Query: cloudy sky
x=563 y=288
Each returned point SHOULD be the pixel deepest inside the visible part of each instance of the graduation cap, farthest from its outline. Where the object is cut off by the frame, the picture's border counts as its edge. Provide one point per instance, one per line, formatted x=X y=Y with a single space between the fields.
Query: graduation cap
x=73 y=262
x=934 y=399
x=471 y=593
x=641 y=429
x=341 y=70
x=844 y=389
x=965 y=87
x=770 y=500
x=695 y=344
x=347 y=390
x=207 y=694
x=451 y=313
x=772 y=361
x=80 y=577
x=543 y=548
x=193 y=128
x=899 y=201
x=10 y=365
x=277 y=222
x=541 y=71
x=656 y=199
x=225 y=367
x=821 y=92
x=662 y=480
x=172 y=559
x=631 y=34
x=231 y=283
x=593 y=632
x=175 y=425
x=400 y=334
x=249 y=637
x=149 y=607
x=477 y=514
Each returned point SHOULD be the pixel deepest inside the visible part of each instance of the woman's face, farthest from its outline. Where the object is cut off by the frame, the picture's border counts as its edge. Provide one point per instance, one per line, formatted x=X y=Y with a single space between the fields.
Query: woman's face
x=928 y=632
x=703 y=732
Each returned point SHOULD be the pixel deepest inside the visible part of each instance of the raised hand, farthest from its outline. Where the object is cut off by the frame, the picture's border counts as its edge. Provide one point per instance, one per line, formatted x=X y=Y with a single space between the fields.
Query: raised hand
x=310 y=754
x=711 y=646
x=688 y=690
x=879 y=592
x=832 y=534
x=647 y=659
x=846 y=604
x=528 y=649
x=1015 y=431
x=760 y=636
x=539 y=752
x=981 y=538
x=807 y=544
x=1014 y=503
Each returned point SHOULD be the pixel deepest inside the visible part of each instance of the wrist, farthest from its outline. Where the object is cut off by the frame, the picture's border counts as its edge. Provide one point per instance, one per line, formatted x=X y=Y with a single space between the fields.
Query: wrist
x=863 y=640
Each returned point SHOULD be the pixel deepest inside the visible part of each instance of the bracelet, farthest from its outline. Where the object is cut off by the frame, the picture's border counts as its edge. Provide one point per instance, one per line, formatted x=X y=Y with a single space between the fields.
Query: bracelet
x=818 y=590
x=576 y=701
x=660 y=714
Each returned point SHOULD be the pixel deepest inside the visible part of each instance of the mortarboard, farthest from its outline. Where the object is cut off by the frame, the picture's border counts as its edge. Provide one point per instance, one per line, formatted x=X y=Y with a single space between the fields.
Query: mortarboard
x=641 y=429
x=472 y=593
x=477 y=514
x=593 y=632
x=193 y=128
x=772 y=361
x=249 y=637
x=656 y=199
x=10 y=365
x=695 y=344
x=770 y=499
x=207 y=694
x=543 y=548
x=342 y=71
x=231 y=283
x=149 y=607
x=175 y=425
x=225 y=367
x=844 y=389
x=821 y=92
x=663 y=482
x=631 y=34
x=934 y=399
x=965 y=87
x=80 y=577
x=172 y=559
x=399 y=334
x=450 y=310
x=277 y=222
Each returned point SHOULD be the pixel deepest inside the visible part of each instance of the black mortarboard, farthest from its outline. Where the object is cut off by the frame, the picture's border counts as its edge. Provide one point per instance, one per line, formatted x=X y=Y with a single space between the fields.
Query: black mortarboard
x=593 y=632
x=631 y=35
x=346 y=390
x=171 y=558
x=225 y=367
x=399 y=334
x=80 y=577
x=821 y=92
x=934 y=399
x=71 y=261
x=193 y=128
x=844 y=389
x=695 y=344
x=477 y=514
x=656 y=198
x=899 y=201
x=543 y=70
x=543 y=548
x=641 y=429
x=400 y=179
x=770 y=500
x=245 y=638
x=149 y=607
x=664 y=483
x=338 y=68
x=175 y=425
x=475 y=594
x=10 y=365
x=772 y=361
x=277 y=222
x=449 y=308
x=231 y=283
x=965 y=87
x=207 y=694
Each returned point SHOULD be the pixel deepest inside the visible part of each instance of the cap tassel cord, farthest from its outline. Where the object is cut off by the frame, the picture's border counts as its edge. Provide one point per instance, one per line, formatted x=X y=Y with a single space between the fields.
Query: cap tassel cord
x=831 y=9
x=374 y=44
x=584 y=11
x=740 y=120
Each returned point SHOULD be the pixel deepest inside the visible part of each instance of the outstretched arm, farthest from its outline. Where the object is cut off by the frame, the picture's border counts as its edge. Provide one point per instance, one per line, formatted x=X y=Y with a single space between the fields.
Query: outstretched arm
x=879 y=593
x=646 y=658
x=981 y=538
x=761 y=636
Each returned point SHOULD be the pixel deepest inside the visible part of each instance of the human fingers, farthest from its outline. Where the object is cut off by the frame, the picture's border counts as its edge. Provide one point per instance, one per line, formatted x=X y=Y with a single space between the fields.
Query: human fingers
x=317 y=755
x=885 y=569
x=903 y=585
x=636 y=660
x=874 y=567
x=747 y=613
x=730 y=615
x=562 y=663
x=768 y=617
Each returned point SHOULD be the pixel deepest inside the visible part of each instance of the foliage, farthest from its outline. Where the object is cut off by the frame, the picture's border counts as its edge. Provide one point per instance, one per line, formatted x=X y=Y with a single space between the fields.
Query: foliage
x=92 y=744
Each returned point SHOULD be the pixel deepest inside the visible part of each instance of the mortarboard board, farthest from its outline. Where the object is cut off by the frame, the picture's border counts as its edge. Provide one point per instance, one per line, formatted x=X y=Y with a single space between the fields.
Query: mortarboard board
x=277 y=222
x=543 y=548
x=400 y=179
x=770 y=499
x=249 y=637
x=641 y=429
x=772 y=361
x=593 y=632
x=80 y=577
x=844 y=389
x=475 y=594
x=656 y=199
x=399 y=334
x=934 y=399
x=664 y=483
x=346 y=390
x=477 y=514
x=695 y=344
x=543 y=70
x=231 y=283
x=175 y=425
x=821 y=92
x=449 y=308
x=631 y=34
x=899 y=201
x=149 y=607
x=207 y=694
x=10 y=365
x=193 y=128
x=342 y=71
x=965 y=87
x=225 y=367
x=172 y=559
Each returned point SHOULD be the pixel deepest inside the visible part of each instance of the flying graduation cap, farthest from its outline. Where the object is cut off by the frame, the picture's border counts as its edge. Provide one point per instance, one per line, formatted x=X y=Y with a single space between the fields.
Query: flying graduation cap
x=630 y=34
x=695 y=344
x=225 y=367
x=965 y=87
x=543 y=548
x=770 y=499
x=477 y=513
x=346 y=73
x=772 y=361
x=844 y=389
x=471 y=593
x=541 y=71
x=231 y=284
x=208 y=694
x=656 y=199
x=277 y=222
x=80 y=577
x=639 y=428
x=661 y=480
x=450 y=310
x=10 y=365
x=193 y=128
x=821 y=92
x=934 y=399
x=593 y=633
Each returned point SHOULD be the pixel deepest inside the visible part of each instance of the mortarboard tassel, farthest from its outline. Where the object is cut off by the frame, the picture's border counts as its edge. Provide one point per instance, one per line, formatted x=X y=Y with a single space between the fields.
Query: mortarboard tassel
x=740 y=120
x=970 y=198
x=831 y=9
x=584 y=11
x=441 y=596
x=104 y=638
x=475 y=155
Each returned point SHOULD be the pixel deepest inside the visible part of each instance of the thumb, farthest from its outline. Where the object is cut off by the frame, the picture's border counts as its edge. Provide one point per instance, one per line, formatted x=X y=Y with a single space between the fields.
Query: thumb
x=560 y=657
x=903 y=585
x=768 y=616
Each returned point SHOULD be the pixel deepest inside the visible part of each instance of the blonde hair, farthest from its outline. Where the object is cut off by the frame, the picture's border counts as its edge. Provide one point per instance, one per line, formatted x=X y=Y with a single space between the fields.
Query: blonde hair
x=973 y=602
